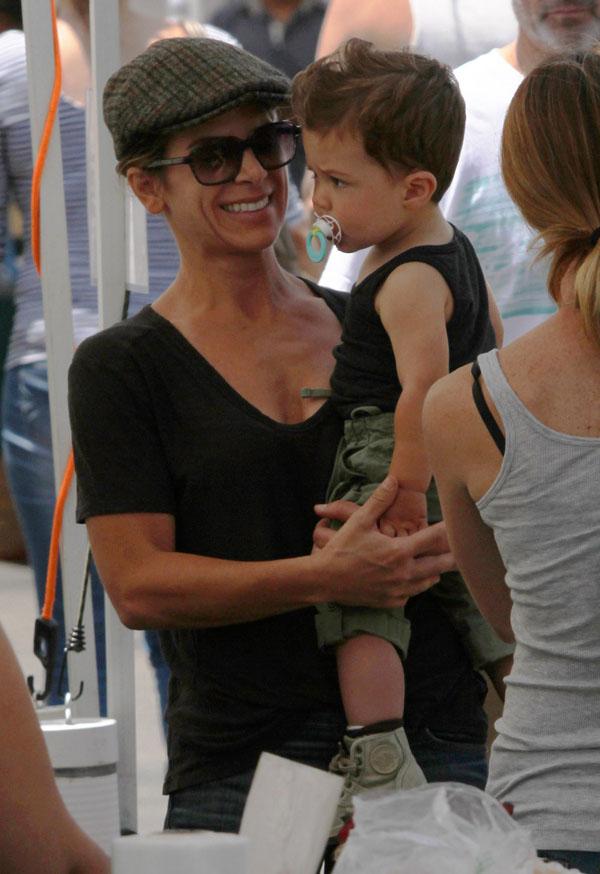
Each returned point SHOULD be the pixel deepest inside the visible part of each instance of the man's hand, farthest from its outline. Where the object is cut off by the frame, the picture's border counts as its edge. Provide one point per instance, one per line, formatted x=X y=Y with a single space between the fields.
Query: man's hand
x=375 y=570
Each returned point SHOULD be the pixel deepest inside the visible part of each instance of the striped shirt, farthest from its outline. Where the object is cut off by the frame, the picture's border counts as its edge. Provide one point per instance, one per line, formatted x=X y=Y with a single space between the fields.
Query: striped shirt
x=27 y=343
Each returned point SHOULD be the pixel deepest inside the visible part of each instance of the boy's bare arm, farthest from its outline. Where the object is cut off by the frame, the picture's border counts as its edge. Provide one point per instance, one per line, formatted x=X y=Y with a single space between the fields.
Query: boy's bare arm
x=414 y=305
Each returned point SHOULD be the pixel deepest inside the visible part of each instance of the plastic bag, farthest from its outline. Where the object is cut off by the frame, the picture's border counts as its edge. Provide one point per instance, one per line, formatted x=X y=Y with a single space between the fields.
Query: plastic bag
x=441 y=828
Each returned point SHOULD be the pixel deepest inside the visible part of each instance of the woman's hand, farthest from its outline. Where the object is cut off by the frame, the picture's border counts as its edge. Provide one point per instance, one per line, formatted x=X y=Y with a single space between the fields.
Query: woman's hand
x=367 y=568
x=406 y=515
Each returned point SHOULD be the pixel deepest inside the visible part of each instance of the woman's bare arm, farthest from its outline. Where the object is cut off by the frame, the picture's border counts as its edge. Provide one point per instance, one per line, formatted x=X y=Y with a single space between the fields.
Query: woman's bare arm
x=151 y=585
x=458 y=446
x=37 y=832
x=387 y=23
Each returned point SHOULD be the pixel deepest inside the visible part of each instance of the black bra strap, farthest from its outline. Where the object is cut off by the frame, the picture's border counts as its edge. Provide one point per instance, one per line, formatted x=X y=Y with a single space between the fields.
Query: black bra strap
x=484 y=411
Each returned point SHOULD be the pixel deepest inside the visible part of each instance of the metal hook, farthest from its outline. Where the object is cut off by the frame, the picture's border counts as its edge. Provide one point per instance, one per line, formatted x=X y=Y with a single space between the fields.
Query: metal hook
x=61 y=677
x=45 y=642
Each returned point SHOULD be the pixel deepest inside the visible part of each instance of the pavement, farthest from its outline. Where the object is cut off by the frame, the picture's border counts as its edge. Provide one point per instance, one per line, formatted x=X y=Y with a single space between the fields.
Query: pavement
x=18 y=611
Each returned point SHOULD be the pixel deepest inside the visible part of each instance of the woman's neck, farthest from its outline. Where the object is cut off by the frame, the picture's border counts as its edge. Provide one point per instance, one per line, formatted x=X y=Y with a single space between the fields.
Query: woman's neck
x=242 y=285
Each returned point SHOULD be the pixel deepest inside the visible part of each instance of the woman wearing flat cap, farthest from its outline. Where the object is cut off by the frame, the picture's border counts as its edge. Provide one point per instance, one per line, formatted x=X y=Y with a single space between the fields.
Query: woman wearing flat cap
x=199 y=490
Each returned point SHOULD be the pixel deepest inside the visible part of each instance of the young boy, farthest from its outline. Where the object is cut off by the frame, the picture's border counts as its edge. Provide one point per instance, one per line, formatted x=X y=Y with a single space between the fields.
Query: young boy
x=382 y=133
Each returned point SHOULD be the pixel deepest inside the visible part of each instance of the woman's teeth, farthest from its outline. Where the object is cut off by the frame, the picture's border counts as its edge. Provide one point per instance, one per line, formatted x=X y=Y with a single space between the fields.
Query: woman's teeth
x=246 y=207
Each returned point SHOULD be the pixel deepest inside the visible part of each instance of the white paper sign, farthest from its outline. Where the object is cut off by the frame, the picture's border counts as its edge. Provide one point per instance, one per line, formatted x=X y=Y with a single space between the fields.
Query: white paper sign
x=288 y=815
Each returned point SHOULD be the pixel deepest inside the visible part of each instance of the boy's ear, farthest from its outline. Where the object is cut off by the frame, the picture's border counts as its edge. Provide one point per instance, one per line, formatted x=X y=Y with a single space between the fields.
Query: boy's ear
x=147 y=188
x=420 y=186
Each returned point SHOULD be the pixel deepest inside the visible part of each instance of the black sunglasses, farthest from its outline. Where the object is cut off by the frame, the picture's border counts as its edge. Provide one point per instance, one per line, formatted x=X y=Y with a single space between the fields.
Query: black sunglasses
x=217 y=160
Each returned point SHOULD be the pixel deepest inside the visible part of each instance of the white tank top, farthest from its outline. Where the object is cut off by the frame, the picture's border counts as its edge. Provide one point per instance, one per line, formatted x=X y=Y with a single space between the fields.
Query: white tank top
x=455 y=31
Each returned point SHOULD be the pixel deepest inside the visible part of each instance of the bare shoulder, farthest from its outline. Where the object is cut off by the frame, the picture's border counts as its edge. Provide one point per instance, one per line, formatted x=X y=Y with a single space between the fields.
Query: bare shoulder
x=449 y=401
x=415 y=284
x=459 y=446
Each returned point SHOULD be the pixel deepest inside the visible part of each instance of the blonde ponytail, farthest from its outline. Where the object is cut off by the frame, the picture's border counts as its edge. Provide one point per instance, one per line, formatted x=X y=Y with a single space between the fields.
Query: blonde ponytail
x=587 y=291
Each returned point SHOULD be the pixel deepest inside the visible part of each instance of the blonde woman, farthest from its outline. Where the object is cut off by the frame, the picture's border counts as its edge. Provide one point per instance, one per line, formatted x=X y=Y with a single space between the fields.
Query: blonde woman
x=515 y=448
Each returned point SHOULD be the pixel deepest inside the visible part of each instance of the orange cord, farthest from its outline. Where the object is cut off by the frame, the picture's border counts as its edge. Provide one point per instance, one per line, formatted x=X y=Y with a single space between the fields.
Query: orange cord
x=38 y=170
x=40 y=161
x=57 y=520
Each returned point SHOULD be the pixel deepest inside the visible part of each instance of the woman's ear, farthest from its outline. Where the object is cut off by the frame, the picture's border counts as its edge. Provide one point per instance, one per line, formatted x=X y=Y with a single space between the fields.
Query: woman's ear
x=420 y=186
x=147 y=188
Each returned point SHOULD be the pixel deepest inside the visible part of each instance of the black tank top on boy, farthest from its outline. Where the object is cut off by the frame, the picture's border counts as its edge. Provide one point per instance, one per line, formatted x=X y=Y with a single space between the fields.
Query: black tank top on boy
x=177 y=439
x=365 y=370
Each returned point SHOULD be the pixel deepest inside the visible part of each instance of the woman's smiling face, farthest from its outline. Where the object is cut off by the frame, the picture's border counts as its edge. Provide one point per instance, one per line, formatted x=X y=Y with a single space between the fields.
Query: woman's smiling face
x=244 y=215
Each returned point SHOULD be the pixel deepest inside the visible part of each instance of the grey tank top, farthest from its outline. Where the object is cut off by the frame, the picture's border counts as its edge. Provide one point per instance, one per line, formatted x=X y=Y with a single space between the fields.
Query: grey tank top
x=455 y=31
x=544 y=509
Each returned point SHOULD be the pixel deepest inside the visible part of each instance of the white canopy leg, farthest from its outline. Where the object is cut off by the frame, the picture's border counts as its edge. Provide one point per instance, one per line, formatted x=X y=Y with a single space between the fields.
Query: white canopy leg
x=56 y=290
x=111 y=268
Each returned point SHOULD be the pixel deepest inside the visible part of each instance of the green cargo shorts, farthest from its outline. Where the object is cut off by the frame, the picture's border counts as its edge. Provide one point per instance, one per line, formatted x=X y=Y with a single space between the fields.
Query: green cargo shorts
x=362 y=462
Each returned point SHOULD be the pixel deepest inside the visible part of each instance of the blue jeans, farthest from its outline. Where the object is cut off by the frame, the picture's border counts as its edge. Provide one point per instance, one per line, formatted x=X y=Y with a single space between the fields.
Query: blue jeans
x=587 y=862
x=450 y=757
x=219 y=805
x=27 y=455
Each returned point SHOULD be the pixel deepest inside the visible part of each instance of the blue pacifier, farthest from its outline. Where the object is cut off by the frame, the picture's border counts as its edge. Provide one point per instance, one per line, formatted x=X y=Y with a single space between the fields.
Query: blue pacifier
x=326 y=228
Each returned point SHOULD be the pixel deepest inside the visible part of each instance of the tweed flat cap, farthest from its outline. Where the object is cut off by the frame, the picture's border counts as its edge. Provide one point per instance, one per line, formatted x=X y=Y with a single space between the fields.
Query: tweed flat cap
x=182 y=81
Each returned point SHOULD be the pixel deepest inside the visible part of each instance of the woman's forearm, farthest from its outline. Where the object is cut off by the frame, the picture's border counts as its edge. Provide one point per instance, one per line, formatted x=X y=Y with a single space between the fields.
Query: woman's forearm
x=178 y=590
x=153 y=586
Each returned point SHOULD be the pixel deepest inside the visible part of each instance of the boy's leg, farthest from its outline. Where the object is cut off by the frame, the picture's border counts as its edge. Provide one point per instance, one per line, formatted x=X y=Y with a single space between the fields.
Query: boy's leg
x=371 y=678
x=374 y=752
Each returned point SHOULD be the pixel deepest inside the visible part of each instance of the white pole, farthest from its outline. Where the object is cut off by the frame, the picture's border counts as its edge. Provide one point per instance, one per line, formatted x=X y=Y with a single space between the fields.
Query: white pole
x=56 y=292
x=111 y=269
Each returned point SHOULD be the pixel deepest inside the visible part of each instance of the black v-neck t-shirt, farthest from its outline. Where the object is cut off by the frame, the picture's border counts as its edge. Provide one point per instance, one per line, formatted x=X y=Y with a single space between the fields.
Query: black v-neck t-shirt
x=156 y=429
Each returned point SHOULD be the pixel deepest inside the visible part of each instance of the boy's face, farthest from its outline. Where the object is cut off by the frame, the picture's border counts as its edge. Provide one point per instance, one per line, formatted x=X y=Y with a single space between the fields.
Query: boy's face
x=366 y=200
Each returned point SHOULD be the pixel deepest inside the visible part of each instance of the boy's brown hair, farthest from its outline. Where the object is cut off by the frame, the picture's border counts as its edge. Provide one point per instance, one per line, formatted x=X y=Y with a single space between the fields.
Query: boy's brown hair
x=407 y=109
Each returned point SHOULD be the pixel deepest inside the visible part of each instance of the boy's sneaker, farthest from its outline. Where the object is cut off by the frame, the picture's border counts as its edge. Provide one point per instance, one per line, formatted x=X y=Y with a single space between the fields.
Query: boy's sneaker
x=381 y=759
